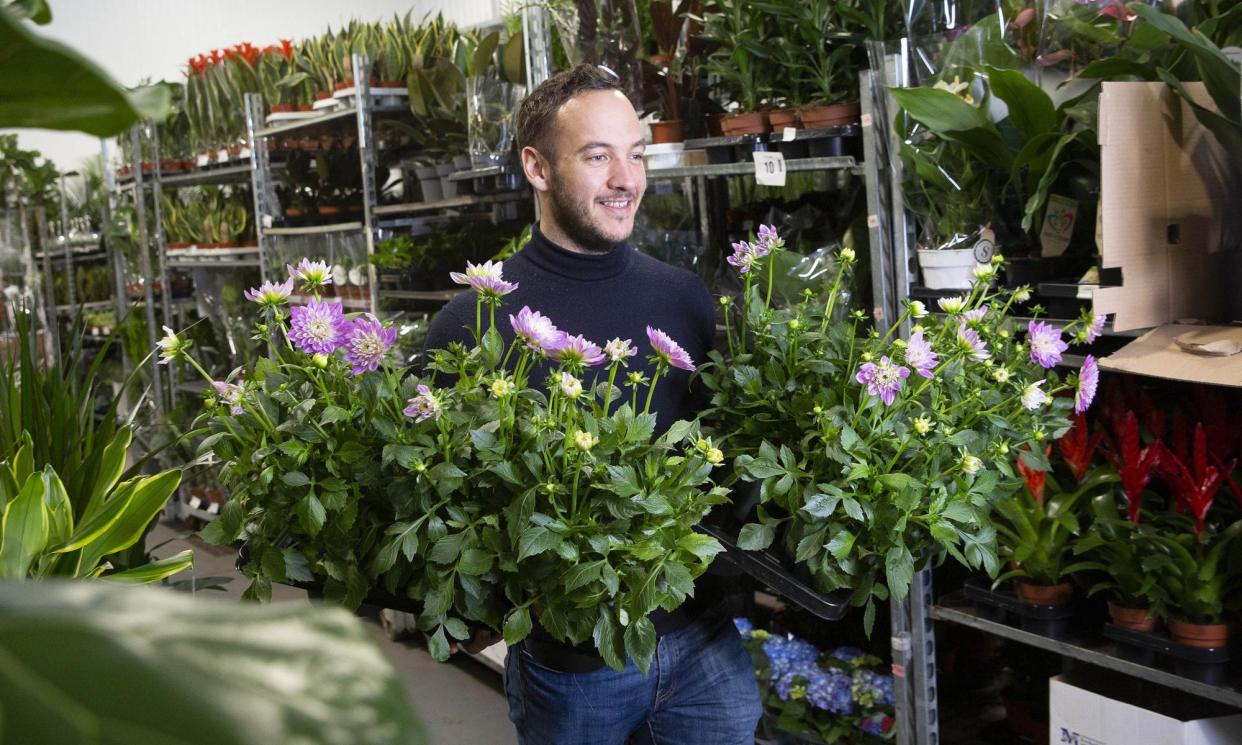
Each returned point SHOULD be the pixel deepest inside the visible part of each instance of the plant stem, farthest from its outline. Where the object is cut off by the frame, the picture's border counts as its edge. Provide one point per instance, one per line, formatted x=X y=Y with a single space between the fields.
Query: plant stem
x=655 y=378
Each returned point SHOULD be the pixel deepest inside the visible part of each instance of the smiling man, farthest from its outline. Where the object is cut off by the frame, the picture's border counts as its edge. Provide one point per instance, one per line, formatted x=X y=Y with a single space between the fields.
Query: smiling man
x=582 y=152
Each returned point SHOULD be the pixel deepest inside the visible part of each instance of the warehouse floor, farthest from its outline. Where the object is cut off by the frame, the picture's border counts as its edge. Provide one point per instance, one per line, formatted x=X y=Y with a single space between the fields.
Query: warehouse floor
x=460 y=702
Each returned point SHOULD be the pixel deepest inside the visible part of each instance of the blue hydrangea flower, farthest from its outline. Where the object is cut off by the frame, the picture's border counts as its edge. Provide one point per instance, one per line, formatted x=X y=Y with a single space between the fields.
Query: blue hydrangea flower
x=785 y=653
x=831 y=691
x=847 y=654
x=872 y=689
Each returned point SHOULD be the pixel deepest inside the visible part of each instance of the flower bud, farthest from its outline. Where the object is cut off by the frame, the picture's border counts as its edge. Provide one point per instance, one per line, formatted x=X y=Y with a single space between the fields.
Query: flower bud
x=320 y=360
x=714 y=456
x=846 y=255
x=922 y=425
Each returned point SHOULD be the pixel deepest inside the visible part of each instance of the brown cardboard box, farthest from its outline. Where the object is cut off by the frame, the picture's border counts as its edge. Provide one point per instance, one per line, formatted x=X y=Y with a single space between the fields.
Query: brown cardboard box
x=1167 y=198
x=1158 y=354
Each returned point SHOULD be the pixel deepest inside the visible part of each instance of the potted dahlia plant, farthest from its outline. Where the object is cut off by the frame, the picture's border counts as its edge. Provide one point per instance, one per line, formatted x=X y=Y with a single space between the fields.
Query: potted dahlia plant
x=481 y=495
x=872 y=454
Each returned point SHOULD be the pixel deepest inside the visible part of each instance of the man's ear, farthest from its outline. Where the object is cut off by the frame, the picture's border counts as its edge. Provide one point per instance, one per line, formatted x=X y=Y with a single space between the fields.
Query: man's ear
x=536 y=168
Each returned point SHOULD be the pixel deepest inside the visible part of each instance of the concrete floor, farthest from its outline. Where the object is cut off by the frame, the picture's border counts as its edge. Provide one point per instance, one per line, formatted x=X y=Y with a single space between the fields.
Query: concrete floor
x=460 y=702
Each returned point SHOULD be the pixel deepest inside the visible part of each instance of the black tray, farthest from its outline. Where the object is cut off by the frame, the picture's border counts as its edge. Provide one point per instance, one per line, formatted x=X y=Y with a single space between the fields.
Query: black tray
x=1003 y=606
x=728 y=149
x=1206 y=665
x=376 y=598
x=774 y=571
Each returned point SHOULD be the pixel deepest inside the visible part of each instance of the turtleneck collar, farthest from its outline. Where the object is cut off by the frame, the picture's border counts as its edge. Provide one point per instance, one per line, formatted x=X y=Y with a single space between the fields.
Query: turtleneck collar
x=552 y=258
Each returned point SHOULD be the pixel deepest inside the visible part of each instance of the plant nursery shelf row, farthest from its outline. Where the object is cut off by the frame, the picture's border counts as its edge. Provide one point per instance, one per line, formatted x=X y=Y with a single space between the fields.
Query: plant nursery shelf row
x=341 y=227
x=838 y=163
x=445 y=204
x=95 y=305
x=225 y=175
x=210 y=262
x=335 y=115
x=440 y=295
x=78 y=256
x=1103 y=654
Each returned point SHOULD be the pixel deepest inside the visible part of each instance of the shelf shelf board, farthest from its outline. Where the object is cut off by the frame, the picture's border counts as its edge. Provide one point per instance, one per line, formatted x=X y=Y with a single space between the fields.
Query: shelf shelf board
x=341 y=227
x=225 y=175
x=439 y=295
x=1105 y=654
x=841 y=163
x=340 y=112
x=480 y=173
x=94 y=305
x=207 y=263
x=445 y=204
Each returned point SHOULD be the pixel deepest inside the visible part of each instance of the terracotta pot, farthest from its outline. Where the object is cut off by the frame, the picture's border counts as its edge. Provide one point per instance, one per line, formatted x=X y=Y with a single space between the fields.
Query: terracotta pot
x=305 y=107
x=1059 y=594
x=250 y=243
x=667 y=131
x=215 y=495
x=1135 y=619
x=391 y=84
x=321 y=95
x=712 y=125
x=325 y=209
x=189 y=165
x=835 y=115
x=234 y=150
x=178 y=245
x=341 y=86
x=755 y=123
x=282 y=108
x=1202 y=635
x=198 y=491
x=782 y=118
x=294 y=212
x=349 y=82
x=146 y=166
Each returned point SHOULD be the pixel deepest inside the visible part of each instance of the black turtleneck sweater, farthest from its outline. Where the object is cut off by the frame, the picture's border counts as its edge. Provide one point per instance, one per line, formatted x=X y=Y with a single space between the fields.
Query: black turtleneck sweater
x=602 y=297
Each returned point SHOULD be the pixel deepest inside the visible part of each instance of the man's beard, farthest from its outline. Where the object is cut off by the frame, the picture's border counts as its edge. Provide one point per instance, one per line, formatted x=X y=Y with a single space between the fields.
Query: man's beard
x=575 y=220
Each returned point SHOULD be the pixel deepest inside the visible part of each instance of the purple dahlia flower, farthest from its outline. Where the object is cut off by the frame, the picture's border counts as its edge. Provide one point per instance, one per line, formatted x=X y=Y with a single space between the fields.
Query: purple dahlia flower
x=366 y=343
x=317 y=327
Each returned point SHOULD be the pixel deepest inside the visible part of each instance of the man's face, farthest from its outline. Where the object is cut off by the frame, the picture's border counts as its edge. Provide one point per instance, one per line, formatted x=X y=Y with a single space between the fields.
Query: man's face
x=596 y=177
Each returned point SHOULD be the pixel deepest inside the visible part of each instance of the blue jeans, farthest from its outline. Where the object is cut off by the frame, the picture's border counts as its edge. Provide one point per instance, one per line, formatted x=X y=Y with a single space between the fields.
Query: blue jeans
x=700 y=690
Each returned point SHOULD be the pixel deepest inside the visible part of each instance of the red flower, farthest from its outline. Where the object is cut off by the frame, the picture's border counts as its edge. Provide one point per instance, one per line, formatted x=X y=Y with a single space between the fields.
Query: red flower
x=286 y=48
x=1078 y=446
x=1195 y=489
x=216 y=57
x=1134 y=464
x=1034 y=479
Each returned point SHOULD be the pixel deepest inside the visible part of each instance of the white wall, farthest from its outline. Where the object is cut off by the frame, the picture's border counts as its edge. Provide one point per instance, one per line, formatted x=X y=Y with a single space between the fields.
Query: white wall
x=138 y=39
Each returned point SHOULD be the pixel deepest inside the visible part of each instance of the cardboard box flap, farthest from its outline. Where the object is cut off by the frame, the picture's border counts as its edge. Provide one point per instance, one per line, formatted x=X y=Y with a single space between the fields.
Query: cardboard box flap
x=1165 y=193
x=1157 y=354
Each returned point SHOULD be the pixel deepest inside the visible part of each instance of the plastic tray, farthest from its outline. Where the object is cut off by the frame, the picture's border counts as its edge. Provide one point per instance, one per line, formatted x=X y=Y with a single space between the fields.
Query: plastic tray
x=775 y=572
x=1206 y=665
x=1005 y=607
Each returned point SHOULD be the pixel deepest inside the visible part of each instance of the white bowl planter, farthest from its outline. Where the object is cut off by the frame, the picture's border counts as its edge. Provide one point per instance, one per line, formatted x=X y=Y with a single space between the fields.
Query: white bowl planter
x=948 y=268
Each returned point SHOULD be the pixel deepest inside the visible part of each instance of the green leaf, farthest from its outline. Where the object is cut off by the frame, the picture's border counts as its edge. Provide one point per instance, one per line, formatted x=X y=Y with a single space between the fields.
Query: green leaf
x=59 y=509
x=227 y=526
x=582 y=574
x=438 y=646
x=295 y=479
x=517 y=625
x=703 y=546
x=756 y=536
x=535 y=540
x=821 y=505
x=296 y=566
x=446 y=549
x=953 y=119
x=899 y=481
x=46 y=85
x=333 y=414
x=853 y=508
x=899 y=567
x=679 y=431
x=150 y=494
x=311 y=514
x=24 y=534
x=640 y=642
x=133 y=648
x=155 y=570
x=608 y=640
x=474 y=562
x=111 y=466
x=841 y=544
x=763 y=468
x=1031 y=111
x=457 y=629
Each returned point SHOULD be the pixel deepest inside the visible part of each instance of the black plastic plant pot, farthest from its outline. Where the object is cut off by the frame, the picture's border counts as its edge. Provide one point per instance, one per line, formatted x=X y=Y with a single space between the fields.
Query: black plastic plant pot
x=1004 y=607
x=1025 y=271
x=1205 y=665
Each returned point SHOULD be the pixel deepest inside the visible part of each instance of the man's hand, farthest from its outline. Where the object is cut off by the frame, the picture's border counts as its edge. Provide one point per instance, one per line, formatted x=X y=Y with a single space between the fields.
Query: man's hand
x=479 y=641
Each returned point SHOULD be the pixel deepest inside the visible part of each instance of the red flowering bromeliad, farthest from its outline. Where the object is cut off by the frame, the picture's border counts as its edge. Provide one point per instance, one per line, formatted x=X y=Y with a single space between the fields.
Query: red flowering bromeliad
x=1195 y=487
x=1035 y=480
x=1134 y=464
x=1078 y=446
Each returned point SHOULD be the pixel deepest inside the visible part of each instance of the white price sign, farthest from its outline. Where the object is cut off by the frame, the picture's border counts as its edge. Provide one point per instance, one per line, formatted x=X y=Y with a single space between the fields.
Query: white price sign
x=769 y=169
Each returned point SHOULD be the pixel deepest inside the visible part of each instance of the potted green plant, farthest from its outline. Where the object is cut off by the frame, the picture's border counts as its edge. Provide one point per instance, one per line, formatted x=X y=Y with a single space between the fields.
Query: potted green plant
x=825 y=80
x=1124 y=551
x=743 y=61
x=1038 y=532
x=674 y=68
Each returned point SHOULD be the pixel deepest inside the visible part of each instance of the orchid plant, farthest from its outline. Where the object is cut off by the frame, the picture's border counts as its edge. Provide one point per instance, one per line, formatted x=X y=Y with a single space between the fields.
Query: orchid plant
x=874 y=454
x=491 y=498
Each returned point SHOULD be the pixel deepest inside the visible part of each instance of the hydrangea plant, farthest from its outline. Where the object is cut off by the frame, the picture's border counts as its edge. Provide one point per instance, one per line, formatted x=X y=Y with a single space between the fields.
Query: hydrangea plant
x=873 y=454
x=837 y=697
x=491 y=498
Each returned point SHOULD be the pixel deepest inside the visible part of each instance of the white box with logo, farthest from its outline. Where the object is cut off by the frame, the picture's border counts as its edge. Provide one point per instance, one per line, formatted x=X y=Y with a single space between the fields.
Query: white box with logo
x=1081 y=717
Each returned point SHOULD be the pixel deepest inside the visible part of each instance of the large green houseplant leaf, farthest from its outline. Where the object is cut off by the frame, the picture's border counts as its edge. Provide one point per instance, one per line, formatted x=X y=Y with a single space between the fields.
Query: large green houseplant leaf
x=45 y=84
x=93 y=663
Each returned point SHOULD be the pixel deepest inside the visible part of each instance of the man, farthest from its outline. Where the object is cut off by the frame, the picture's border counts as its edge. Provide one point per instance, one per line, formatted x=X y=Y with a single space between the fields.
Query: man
x=582 y=152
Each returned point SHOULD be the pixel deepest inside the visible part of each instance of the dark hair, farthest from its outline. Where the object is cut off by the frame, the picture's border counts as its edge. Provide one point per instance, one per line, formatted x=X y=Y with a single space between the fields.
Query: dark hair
x=536 y=118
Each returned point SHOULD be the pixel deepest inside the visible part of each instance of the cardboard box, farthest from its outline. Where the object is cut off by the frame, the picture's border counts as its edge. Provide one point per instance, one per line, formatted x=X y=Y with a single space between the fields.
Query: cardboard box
x=1158 y=354
x=1166 y=200
x=1080 y=717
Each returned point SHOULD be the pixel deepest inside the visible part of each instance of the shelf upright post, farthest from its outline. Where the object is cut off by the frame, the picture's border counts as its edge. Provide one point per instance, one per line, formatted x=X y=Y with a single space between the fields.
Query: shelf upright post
x=536 y=38
x=897 y=74
x=51 y=327
x=144 y=265
x=260 y=179
x=157 y=194
x=115 y=257
x=67 y=234
x=875 y=127
x=914 y=664
x=366 y=157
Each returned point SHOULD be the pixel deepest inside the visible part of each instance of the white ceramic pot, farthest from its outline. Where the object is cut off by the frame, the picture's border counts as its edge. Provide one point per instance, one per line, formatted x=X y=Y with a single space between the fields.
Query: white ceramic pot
x=948 y=269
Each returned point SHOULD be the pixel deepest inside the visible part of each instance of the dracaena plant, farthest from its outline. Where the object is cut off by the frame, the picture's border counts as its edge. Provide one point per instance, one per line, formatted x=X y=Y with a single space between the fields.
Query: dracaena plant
x=491 y=498
x=875 y=454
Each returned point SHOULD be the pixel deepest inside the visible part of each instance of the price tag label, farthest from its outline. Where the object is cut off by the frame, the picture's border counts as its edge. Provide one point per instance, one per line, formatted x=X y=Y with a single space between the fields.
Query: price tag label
x=873 y=221
x=769 y=169
x=789 y=134
x=866 y=120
